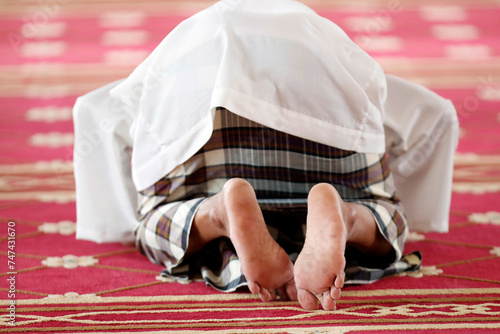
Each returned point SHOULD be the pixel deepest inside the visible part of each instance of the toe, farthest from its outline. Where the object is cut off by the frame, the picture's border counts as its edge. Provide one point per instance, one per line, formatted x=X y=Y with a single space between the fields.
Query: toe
x=328 y=302
x=307 y=300
x=339 y=281
x=254 y=287
x=281 y=292
x=335 y=293
x=267 y=295
x=291 y=290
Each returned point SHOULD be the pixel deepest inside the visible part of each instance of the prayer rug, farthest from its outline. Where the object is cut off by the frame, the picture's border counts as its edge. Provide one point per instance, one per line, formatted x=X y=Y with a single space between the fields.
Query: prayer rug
x=53 y=51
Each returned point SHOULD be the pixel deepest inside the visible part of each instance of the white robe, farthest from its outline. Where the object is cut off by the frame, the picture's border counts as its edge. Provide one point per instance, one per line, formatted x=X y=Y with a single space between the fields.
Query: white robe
x=277 y=63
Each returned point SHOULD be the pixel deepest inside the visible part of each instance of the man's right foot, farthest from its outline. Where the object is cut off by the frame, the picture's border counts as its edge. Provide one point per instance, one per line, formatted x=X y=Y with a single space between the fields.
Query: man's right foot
x=319 y=269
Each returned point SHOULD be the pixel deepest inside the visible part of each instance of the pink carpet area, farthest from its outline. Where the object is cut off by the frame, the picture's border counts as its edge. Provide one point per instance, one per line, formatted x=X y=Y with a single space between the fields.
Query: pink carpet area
x=53 y=51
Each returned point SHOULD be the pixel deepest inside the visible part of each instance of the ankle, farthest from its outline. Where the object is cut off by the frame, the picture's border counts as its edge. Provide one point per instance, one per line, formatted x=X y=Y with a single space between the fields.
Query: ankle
x=349 y=217
x=218 y=220
x=363 y=232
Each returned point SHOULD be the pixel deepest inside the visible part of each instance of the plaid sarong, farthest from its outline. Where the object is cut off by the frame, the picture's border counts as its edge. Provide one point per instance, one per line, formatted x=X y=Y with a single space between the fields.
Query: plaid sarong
x=282 y=169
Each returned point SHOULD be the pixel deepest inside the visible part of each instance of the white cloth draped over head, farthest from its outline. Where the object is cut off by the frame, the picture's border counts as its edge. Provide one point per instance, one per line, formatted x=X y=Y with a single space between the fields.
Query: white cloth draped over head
x=275 y=62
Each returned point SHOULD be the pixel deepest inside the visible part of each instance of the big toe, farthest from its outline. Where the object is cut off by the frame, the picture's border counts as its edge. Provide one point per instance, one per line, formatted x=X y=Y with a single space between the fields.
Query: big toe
x=307 y=300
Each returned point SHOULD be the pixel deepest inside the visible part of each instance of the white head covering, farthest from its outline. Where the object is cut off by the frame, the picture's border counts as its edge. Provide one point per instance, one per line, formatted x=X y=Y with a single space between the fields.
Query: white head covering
x=275 y=62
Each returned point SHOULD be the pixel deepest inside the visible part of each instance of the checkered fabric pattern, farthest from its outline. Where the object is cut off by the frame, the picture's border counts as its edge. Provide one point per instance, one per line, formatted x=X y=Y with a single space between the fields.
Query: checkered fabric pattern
x=282 y=169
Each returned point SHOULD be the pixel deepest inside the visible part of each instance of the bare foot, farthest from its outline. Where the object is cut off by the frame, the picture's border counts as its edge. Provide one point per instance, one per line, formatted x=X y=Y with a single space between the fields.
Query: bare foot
x=266 y=266
x=319 y=269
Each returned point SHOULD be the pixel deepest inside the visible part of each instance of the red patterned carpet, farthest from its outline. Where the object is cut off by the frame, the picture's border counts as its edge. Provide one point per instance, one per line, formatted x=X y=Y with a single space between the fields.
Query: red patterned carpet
x=53 y=51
